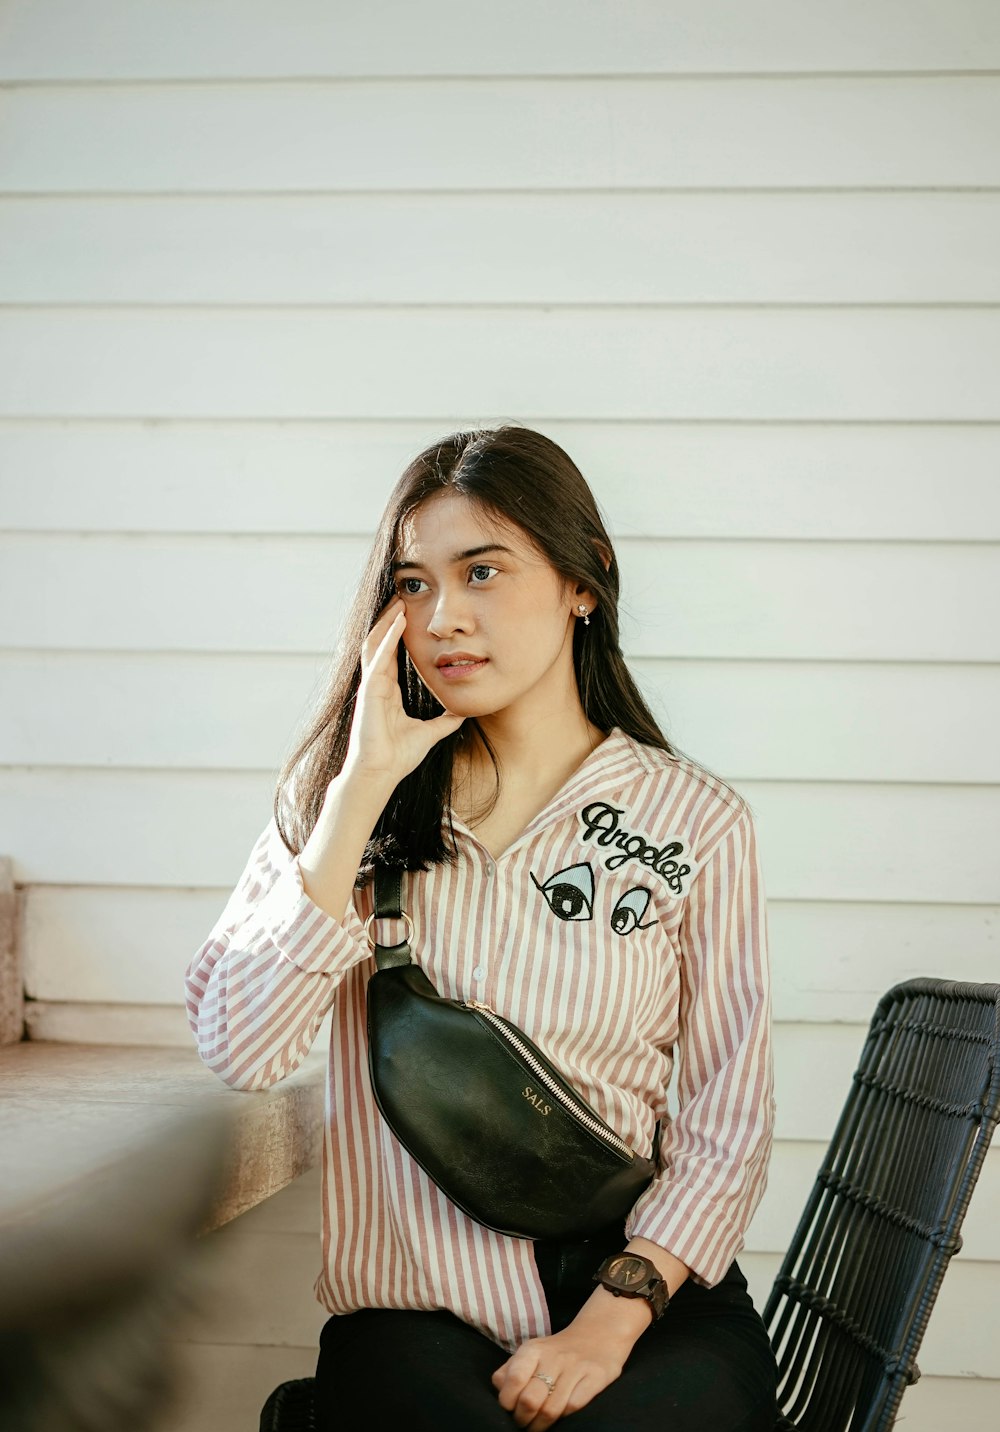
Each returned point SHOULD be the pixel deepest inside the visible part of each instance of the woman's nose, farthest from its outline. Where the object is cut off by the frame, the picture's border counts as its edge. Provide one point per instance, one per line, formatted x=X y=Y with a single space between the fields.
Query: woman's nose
x=451 y=612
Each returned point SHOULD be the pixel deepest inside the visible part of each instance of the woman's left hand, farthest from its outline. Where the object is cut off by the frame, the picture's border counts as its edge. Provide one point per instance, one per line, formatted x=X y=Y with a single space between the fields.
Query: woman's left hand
x=578 y=1360
x=586 y=1356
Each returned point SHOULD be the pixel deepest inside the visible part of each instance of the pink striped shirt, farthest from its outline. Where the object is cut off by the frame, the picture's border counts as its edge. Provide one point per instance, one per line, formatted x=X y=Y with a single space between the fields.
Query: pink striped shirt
x=624 y=930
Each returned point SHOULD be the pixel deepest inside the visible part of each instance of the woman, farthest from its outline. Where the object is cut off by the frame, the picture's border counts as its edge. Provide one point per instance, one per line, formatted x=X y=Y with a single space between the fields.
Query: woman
x=568 y=868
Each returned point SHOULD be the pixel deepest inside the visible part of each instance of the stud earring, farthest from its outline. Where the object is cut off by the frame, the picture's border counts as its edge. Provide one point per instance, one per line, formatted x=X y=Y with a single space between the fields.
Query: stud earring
x=584 y=613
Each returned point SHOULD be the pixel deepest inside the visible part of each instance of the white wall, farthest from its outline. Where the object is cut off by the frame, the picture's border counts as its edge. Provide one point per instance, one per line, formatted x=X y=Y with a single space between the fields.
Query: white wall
x=740 y=261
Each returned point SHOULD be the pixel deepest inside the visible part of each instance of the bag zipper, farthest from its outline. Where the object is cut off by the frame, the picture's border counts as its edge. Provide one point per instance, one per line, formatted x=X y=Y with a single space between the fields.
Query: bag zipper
x=544 y=1077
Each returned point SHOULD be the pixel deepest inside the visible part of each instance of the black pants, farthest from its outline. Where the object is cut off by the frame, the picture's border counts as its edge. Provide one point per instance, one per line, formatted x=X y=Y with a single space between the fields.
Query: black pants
x=706 y=1366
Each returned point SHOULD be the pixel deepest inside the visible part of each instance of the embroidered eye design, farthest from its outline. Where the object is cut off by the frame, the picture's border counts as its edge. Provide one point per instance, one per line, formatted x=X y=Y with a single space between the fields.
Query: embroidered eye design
x=570 y=892
x=628 y=913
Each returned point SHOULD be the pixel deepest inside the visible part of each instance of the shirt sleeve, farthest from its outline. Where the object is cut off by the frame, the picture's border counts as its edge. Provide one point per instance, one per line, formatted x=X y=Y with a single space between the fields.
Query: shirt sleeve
x=714 y=1154
x=259 y=987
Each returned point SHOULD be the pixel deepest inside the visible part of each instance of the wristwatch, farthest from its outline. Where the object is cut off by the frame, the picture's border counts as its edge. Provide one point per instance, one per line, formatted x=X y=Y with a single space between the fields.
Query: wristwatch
x=629 y=1275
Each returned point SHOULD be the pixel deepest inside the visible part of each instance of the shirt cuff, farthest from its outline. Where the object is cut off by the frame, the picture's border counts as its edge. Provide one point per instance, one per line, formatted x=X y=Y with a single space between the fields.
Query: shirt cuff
x=306 y=935
x=694 y=1229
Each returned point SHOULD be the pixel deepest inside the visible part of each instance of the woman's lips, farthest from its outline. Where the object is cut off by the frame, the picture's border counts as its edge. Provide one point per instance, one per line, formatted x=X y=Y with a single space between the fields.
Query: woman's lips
x=460 y=670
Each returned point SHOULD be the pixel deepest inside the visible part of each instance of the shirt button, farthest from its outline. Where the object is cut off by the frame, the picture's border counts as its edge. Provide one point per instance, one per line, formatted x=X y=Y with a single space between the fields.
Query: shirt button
x=478 y=973
x=489 y=868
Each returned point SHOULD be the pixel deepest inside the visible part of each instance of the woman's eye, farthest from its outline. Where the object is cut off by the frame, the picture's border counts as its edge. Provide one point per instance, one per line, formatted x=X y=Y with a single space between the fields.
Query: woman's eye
x=410 y=586
x=570 y=892
x=481 y=573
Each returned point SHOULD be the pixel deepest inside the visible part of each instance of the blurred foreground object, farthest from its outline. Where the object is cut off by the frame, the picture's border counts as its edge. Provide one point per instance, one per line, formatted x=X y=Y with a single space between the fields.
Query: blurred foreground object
x=93 y=1283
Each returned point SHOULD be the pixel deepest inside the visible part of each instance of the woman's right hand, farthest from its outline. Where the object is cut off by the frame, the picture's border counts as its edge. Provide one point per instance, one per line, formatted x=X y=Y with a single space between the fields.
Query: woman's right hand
x=385 y=742
x=384 y=746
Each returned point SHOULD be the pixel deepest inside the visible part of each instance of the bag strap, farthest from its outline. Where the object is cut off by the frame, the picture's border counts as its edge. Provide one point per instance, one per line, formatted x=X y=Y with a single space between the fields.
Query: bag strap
x=388 y=885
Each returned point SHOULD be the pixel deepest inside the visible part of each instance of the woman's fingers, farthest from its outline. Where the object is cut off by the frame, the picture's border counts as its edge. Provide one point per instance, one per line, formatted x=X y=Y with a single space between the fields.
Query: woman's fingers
x=538 y=1401
x=443 y=725
x=388 y=642
x=547 y=1379
x=383 y=737
x=538 y=1407
x=534 y=1407
x=375 y=638
x=521 y=1387
x=570 y=1393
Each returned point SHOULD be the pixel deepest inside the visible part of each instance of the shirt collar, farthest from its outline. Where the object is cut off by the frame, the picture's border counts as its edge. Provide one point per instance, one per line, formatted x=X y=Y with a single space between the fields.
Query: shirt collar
x=609 y=766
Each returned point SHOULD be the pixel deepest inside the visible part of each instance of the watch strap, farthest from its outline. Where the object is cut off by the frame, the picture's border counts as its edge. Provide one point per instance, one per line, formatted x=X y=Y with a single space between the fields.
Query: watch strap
x=653 y=1290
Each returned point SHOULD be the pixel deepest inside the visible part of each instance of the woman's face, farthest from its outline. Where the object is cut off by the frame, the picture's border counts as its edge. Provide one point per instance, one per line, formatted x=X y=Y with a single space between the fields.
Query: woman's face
x=489 y=623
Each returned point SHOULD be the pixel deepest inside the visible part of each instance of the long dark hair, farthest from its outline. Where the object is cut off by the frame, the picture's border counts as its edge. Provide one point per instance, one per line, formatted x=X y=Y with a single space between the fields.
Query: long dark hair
x=525 y=479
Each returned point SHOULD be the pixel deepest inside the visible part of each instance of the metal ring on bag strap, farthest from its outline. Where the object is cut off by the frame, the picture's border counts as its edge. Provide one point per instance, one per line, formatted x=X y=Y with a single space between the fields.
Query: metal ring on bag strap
x=402 y=915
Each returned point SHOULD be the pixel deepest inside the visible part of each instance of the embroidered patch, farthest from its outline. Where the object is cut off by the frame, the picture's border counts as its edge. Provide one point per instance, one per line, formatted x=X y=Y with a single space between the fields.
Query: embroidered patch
x=627 y=914
x=671 y=860
x=570 y=892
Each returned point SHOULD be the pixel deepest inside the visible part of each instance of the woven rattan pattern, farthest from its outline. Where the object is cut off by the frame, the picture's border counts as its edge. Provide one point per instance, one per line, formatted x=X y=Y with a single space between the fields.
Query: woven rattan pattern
x=852 y=1299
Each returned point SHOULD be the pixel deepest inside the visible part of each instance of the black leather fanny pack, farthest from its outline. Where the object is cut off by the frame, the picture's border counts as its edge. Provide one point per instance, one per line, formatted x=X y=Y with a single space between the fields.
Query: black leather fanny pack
x=483 y=1112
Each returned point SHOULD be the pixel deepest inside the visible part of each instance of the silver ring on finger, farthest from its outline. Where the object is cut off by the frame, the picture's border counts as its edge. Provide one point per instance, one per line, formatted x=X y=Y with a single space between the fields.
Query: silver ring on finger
x=550 y=1382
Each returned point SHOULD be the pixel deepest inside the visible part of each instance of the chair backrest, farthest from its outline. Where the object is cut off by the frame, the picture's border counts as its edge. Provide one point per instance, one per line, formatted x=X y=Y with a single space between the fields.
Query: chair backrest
x=851 y=1302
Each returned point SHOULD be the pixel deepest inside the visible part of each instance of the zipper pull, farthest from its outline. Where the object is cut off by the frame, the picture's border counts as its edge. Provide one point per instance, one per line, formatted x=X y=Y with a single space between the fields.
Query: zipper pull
x=477 y=1004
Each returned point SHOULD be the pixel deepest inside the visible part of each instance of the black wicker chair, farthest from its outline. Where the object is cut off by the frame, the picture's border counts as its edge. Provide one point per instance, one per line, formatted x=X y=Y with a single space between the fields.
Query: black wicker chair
x=290 y=1408
x=851 y=1302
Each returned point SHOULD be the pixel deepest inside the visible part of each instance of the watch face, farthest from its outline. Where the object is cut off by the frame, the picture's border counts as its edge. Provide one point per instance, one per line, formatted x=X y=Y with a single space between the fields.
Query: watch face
x=628 y=1271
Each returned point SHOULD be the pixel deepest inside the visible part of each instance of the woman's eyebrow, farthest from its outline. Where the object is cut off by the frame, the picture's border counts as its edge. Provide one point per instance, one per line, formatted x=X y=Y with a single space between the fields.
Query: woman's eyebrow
x=459 y=556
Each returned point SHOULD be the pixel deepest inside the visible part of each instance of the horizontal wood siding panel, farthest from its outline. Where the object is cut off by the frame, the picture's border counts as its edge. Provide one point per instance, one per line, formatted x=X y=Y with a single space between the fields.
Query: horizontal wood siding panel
x=151 y=593
x=511 y=248
x=837 y=841
x=681 y=480
x=642 y=363
x=748 y=720
x=864 y=842
x=236 y=38
x=176 y=711
x=66 y=1022
x=486 y=133
x=807 y=601
x=936 y=1402
x=100 y=945
x=831 y=961
x=762 y=720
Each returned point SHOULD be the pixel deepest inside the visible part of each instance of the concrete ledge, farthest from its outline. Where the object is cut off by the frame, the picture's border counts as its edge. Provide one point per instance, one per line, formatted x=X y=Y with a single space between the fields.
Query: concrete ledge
x=11 y=980
x=70 y=1112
